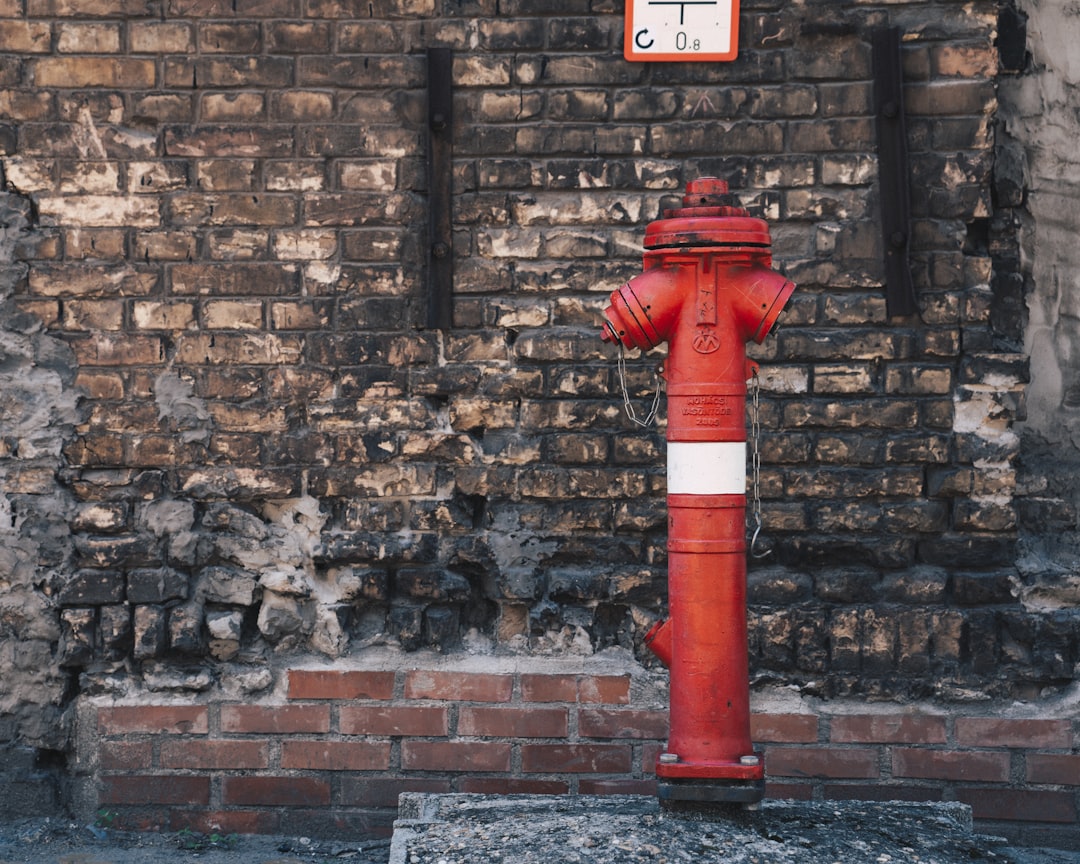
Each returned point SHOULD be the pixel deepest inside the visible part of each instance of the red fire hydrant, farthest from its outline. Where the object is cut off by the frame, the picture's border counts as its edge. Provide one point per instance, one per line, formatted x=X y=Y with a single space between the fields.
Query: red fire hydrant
x=707 y=289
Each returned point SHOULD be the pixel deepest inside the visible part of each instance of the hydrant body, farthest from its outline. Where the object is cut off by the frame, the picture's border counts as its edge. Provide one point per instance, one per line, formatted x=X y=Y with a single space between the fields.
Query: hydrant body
x=707 y=289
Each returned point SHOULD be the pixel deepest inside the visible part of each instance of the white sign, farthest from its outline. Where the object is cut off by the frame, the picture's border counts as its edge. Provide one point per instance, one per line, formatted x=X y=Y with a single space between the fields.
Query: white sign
x=681 y=30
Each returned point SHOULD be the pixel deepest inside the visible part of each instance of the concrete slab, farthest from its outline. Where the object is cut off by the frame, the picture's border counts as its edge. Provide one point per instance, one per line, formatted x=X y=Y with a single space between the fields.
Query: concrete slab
x=481 y=829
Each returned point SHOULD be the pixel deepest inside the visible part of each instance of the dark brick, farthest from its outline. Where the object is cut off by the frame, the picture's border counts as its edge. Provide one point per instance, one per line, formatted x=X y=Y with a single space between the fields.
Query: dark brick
x=358 y=209
x=921 y=586
x=981 y=589
x=875 y=413
x=148 y=632
x=442 y=628
x=77 y=629
x=156 y=585
x=185 y=628
x=93 y=587
x=114 y=631
x=985 y=551
x=811 y=640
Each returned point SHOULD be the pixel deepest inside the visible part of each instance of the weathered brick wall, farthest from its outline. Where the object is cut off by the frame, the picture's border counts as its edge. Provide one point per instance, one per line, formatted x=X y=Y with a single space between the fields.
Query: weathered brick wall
x=226 y=229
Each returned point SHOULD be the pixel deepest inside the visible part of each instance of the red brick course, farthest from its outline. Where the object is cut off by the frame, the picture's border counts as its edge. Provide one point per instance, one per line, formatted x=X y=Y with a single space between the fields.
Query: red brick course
x=935 y=764
x=124 y=720
x=412 y=720
x=518 y=722
x=279 y=720
x=335 y=756
x=1053 y=768
x=822 y=762
x=276 y=791
x=887 y=729
x=992 y=732
x=619 y=723
x=608 y=689
x=222 y=755
x=575 y=758
x=455 y=756
x=155 y=789
x=306 y=684
x=549 y=688
x=458 y=686
x=343 y=746
x=784 y=728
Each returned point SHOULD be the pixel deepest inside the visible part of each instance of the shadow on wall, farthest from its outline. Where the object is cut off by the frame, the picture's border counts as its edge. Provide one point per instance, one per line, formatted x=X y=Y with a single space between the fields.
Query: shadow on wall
x=38 y=405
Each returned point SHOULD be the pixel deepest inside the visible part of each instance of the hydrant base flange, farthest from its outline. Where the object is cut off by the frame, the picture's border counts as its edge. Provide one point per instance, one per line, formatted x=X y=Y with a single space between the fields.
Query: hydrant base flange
x=673 y=794
x=718 y=771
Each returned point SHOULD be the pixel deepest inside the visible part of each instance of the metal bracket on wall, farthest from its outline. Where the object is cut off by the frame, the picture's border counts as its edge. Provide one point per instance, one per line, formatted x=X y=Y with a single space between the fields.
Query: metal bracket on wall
x=893 y=173
x=440 y=313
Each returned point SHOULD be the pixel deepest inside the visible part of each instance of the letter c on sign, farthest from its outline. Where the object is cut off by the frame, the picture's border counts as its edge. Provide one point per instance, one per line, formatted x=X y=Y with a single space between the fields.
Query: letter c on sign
x=639 y=38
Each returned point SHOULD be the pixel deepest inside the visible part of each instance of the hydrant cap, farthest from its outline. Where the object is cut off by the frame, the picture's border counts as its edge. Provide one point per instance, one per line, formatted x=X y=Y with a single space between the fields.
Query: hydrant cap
x=710 y=216
x=698 y=191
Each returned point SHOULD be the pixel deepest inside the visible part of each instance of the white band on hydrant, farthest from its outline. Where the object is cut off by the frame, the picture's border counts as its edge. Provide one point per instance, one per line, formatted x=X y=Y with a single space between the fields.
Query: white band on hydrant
x=706 y=468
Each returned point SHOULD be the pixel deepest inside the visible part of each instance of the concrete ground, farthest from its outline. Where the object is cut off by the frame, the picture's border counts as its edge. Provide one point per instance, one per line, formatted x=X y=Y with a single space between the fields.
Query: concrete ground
x=610 y=837
x=611 y=829
x=60 y=841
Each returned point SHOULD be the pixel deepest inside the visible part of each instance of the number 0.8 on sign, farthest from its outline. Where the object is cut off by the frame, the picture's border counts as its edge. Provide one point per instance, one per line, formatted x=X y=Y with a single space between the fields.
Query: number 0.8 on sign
x=673 y=30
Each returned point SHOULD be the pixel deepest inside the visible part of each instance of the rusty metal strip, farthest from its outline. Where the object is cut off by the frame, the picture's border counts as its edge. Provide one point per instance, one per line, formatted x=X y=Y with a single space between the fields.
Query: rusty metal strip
x=893 y=173
x=440 y=188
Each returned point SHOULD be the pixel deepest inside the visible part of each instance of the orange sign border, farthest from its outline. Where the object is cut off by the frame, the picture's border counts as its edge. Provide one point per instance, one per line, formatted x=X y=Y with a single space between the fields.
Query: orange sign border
x=682 y=56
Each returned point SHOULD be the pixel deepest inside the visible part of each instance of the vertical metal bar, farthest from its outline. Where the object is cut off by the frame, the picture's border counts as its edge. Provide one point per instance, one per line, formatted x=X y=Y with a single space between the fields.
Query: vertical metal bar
x=893 y=174
x=440 y=188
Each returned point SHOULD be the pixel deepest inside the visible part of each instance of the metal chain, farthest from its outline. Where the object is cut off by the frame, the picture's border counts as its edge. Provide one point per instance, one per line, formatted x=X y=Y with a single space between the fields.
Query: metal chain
x=630 y=412
x=755 y=461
